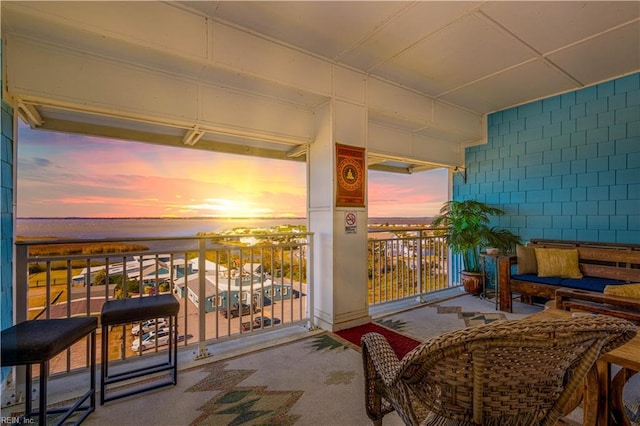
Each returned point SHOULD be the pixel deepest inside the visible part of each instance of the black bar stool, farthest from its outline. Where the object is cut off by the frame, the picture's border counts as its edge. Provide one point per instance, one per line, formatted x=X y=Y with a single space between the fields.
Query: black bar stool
x=37 y=342
x=125 y=311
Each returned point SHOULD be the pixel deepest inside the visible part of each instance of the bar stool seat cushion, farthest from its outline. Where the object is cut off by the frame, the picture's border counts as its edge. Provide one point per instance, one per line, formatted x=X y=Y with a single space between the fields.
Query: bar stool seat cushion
x=139 y=309
x=32 y=342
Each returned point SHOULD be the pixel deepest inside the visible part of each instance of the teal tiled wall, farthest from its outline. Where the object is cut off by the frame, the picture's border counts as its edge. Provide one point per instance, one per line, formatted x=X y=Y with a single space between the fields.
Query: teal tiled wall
x=565 y=167
x=6 y=216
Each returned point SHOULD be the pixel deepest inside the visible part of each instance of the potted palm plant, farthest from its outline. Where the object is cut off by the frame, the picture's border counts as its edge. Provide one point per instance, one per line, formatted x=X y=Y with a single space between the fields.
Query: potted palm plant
x=467 y=230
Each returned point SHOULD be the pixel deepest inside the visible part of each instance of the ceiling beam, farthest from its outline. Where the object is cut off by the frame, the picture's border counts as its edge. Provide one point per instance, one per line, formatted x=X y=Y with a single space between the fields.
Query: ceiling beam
x=297 y=151
x=30 y=114
x=163 y=139
x=192 y=136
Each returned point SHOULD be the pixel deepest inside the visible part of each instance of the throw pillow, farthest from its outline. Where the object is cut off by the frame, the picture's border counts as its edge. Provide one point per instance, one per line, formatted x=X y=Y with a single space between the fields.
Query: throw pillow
x=527 y=263
x=553 y=262
x=631 y=291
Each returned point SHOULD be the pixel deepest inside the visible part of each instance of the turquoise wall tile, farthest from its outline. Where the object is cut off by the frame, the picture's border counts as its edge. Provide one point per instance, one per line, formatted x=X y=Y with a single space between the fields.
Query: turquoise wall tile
x=552 y=182
x=606 y=89
x=633 y=97
x=587 y=123
x=607 y=118
x=627 y=84
x=586 y=95
x=561 y=195
x=597 y=135
x=553 y=209
x=617 y=101
x=607 y=178
x=532 y=109
x=618 y=223
x=619 y=192
x=569 y=234
x=628 y=114
x=597 y=106
x=560 y=115
x=553 y=104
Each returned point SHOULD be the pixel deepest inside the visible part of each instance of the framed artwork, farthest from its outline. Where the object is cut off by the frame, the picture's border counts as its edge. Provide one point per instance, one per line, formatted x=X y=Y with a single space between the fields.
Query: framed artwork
x=351 y=169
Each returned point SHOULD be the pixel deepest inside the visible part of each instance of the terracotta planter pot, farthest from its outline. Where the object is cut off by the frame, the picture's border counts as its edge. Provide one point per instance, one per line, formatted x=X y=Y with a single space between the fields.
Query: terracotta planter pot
x=472 y=282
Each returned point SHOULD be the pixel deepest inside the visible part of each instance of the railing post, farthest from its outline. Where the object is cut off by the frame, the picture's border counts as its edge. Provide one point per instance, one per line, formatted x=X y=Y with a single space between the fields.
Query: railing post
x=419 y=267
x=311 y=323
x=20 y=313
x=20 y=305
x=202 y=297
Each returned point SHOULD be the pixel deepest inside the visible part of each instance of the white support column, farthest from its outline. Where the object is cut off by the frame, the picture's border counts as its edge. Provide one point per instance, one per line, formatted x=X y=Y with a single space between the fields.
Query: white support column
x=340 y=245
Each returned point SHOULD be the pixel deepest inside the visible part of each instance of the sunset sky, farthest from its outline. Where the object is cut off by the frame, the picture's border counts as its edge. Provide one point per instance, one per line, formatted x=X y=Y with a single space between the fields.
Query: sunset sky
x=63 y=175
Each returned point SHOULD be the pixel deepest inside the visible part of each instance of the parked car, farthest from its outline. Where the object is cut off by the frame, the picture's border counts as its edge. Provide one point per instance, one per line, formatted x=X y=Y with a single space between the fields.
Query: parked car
x=259 y=322
x=149 y=339
x=234 y=311
x=149 y=325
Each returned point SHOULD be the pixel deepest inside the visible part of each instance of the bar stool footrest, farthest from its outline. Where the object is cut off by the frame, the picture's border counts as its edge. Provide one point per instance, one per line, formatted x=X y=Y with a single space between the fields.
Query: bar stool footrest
x=120 y=377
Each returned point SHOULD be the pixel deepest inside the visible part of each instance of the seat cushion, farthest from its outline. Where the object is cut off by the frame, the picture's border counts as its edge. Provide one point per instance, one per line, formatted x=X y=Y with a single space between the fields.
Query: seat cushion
x=123 y=311
x=35 y=341
x=589 y=283
x=536 y=279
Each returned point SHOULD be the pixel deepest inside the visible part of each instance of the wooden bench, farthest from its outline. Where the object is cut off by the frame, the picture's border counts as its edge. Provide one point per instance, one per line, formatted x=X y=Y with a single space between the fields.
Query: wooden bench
x=598 y=260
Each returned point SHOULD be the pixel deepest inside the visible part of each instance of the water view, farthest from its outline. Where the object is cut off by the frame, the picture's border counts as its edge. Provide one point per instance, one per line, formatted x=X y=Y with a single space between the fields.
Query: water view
x=94 y=228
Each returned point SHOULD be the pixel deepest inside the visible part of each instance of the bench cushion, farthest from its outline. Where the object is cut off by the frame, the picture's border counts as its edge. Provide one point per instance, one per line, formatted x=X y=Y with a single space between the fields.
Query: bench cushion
x=584 y=283
x=536 y=279
x=35 y=341
x=123 y=311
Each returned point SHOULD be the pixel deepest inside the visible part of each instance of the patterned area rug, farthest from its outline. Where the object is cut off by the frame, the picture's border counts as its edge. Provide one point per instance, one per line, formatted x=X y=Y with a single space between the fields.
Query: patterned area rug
x=241 y=401
x=242 y=405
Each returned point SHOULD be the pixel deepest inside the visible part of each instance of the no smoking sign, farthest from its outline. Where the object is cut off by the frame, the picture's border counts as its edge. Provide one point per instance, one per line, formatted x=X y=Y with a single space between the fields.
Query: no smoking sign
x=350 y=223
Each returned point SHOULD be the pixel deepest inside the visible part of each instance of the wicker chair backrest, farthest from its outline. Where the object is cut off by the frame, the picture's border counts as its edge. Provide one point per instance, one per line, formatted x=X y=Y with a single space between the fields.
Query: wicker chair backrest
x=525 y=370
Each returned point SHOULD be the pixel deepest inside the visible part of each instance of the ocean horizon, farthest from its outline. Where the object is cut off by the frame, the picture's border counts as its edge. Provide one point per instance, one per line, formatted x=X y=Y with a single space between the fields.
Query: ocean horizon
x=144 y=227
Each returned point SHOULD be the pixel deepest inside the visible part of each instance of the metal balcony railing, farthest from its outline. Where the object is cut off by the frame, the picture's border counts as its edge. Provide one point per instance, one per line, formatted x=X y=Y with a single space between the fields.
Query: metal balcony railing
x=408 y=263
x=228 y=286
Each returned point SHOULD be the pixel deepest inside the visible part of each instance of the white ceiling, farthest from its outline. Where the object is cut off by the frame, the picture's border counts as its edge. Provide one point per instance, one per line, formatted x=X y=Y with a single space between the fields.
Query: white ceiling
x=483 y=56
x=480 y=56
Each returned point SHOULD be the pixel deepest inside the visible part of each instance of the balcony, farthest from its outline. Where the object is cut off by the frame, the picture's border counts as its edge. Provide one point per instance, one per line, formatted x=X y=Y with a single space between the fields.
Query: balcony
x=266 y=362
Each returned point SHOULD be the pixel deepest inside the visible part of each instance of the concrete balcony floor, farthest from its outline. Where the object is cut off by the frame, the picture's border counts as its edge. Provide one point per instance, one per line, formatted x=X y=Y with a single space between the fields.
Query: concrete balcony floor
x=288 y=376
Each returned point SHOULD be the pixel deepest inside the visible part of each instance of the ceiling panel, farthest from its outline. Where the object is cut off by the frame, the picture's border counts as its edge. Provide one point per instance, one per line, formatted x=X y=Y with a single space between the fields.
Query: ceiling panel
x=515 y=86
x=614 y=53
x=416 y=22
x=548 y=26
x=443 y=61
x=318 y=27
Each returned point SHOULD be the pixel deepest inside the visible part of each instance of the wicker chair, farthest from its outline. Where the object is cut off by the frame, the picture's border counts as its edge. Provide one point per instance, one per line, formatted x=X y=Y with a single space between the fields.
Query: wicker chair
x=504 y=373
